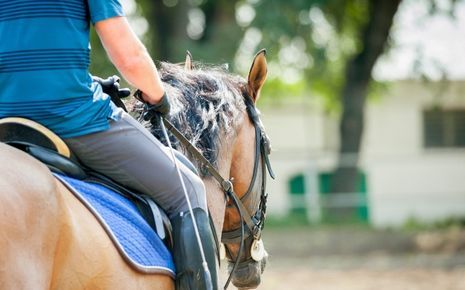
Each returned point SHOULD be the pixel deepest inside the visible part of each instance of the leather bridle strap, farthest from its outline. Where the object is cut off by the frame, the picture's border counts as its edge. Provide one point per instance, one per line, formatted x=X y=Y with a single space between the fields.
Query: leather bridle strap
x=263 y=150
x=197 y=155
x=234 y=236
x=226 y=185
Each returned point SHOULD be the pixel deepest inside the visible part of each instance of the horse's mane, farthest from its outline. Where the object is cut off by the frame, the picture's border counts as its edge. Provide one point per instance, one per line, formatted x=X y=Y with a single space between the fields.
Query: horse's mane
x=206 y=106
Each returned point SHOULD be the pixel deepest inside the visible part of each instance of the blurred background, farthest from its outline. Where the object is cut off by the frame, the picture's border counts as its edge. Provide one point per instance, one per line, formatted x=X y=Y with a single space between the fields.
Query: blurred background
x=365 y=107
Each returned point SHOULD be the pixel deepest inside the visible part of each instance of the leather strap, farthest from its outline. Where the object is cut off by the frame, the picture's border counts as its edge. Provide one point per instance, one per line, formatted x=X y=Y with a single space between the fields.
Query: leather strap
x=225 y=184
x=197 y=155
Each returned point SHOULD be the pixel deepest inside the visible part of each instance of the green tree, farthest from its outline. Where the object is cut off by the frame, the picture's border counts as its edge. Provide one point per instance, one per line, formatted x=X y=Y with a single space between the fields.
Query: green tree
x=374 y=35
x=206 y=28
x=344 y=38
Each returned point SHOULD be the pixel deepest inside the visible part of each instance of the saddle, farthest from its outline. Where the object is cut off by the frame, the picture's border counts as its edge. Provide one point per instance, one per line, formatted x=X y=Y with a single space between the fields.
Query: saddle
x=48 y=148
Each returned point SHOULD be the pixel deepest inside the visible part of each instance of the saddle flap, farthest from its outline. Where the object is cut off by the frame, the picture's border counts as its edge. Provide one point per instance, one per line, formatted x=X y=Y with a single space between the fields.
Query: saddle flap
x=55 y=161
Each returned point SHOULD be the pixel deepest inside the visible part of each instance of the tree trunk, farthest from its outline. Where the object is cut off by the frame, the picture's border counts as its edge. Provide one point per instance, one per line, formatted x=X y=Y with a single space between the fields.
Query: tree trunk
x=355 y=90
x=168 y=30
x=168 y=25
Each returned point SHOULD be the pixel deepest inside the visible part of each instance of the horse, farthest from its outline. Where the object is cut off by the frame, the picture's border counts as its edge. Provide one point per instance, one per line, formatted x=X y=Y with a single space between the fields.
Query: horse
x=50 y=240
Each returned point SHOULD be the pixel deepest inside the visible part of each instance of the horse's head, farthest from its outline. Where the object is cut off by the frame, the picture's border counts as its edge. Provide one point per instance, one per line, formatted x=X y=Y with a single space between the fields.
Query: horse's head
x=216 y=112
x=248 y=170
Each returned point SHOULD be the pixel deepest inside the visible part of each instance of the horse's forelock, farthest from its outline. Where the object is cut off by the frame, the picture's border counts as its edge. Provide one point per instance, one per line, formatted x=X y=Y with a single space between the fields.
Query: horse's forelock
x=206 y=103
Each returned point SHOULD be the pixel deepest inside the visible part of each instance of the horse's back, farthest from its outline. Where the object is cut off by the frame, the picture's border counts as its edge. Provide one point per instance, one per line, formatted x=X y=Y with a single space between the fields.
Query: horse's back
x=49 y=240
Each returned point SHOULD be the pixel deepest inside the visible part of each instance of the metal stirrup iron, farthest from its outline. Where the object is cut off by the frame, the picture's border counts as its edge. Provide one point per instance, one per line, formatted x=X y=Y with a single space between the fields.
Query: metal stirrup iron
x=207 y=274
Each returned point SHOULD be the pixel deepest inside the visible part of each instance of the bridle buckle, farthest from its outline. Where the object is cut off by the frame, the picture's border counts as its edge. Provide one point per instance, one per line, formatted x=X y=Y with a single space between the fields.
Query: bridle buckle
x=227 y=186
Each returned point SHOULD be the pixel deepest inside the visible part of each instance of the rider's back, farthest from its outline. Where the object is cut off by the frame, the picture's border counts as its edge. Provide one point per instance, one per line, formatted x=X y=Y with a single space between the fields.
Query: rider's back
x=44 y=59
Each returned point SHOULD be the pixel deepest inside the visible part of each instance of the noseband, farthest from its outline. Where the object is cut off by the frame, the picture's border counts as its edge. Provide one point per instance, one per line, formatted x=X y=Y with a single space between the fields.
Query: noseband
x=251 y=225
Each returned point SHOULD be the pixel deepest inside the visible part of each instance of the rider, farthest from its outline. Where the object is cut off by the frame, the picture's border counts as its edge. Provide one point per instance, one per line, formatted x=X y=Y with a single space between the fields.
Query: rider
x=44 y=59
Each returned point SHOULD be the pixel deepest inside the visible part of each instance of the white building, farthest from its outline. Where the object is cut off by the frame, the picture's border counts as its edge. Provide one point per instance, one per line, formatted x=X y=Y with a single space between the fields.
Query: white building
x=413 y=154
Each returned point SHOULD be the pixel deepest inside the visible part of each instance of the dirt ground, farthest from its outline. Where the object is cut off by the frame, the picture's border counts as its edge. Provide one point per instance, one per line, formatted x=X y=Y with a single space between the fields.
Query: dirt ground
x=348 y=259
x=297 y=278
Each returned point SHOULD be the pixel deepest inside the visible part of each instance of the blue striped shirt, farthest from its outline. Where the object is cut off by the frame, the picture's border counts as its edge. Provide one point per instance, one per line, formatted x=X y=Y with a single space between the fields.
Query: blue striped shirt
x=44 y=60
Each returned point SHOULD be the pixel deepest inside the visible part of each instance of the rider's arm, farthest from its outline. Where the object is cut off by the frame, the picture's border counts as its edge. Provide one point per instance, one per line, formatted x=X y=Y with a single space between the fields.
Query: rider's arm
x=130 y=57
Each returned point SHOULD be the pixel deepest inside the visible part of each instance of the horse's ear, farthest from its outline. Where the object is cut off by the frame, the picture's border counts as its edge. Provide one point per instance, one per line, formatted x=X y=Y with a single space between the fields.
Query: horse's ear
x=188 y=63
x=257 y=75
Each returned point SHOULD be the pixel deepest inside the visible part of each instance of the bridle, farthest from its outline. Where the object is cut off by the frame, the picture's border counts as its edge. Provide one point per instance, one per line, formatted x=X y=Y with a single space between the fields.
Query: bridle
x=255 y=222
x=251 y=225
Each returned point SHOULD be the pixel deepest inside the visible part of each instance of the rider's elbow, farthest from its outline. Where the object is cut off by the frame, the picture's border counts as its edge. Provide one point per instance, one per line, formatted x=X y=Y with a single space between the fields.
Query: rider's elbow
x=132 y=61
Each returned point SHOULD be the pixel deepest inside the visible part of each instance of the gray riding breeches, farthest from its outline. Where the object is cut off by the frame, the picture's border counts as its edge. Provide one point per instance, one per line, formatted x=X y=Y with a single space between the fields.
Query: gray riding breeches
x=130 y=155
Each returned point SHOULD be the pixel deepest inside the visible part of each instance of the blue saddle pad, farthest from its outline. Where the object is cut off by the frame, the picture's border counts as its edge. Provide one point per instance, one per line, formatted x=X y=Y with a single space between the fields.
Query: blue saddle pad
x=132 y=235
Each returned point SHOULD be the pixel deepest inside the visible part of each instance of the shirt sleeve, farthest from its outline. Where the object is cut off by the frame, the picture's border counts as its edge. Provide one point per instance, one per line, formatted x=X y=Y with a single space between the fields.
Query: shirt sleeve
x=104 y=9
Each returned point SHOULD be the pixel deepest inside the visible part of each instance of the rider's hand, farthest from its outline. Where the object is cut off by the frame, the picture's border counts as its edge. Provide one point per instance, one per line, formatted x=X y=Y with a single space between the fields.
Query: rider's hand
x=154 y=110
x=162 y=107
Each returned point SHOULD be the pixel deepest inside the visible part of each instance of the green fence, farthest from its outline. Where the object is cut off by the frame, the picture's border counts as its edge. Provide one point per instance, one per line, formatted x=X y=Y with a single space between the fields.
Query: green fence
x=332 y=207
x=298 y=200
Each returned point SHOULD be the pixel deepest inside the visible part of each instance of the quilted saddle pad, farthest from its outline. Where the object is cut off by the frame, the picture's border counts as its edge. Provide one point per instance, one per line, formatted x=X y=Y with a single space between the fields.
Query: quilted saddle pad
x=136 y=241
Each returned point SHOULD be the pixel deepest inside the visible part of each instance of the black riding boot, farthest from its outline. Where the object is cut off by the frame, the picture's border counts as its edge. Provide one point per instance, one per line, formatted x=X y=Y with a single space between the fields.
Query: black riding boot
x=186 y=251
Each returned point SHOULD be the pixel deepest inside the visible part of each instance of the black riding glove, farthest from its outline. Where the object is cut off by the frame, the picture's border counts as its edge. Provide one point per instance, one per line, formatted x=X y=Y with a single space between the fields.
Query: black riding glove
x=162 y=107
x=152 y=112
x=111 y=87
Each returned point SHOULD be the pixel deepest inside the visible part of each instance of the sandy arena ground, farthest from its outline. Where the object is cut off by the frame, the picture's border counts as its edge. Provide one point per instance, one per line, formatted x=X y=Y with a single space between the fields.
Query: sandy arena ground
x=363 y=279
x=360 y=260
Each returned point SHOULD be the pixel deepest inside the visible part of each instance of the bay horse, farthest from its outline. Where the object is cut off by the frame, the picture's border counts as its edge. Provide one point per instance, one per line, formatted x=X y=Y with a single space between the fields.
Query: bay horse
x=50 y=240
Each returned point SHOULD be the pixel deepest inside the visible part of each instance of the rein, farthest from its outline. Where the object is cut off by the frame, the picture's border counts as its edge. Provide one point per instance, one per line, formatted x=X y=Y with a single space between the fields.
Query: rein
x=251 y=225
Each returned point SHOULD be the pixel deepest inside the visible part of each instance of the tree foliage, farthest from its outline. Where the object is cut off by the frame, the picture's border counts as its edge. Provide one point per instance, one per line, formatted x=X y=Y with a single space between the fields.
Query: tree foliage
x=314 y=39
x=335 y=44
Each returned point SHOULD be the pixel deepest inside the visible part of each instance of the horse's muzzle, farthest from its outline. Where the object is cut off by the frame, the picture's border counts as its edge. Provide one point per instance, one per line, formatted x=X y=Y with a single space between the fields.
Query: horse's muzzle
x=248 y=275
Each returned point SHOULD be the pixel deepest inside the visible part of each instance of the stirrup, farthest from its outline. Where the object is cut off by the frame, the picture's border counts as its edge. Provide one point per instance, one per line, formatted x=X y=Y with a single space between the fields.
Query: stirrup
x=187 y=258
